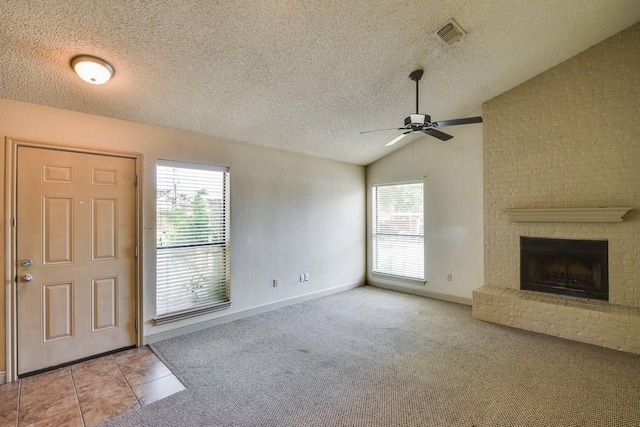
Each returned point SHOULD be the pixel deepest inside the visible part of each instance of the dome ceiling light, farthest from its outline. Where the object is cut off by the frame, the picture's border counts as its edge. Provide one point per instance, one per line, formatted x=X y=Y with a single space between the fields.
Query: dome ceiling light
x=91 y=69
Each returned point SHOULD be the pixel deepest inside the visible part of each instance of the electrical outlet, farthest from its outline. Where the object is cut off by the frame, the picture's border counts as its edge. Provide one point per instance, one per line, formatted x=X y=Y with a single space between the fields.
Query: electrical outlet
x=301 y=278
x=449 y=277
x=306 y=277
x=275 y=283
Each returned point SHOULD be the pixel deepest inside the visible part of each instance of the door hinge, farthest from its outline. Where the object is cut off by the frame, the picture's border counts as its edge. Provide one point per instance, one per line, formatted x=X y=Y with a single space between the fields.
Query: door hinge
x=14 y=222
x=136 y=252
x=135 y=179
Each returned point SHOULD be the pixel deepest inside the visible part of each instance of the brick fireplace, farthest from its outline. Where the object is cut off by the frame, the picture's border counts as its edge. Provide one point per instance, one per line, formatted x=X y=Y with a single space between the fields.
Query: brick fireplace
x=568 y=139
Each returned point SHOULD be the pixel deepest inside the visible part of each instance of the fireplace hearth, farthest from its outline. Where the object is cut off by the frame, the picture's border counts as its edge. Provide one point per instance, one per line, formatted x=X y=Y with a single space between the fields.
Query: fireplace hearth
x=567 y=267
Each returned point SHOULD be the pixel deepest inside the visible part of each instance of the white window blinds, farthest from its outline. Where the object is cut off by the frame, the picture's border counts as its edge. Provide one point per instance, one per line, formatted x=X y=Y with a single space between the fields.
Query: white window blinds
x=398 y=230
x=192 y=214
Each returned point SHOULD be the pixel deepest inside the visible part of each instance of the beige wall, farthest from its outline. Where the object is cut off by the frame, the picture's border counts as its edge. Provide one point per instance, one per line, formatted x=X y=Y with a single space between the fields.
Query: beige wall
x=569 y=137
x=290 y=213
x=452 y=176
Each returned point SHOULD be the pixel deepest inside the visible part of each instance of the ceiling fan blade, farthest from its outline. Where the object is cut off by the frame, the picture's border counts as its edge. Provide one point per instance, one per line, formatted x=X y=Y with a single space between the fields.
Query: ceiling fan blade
x=437 y=134
x=455 y=122
x=381 y=130
x=397 y=139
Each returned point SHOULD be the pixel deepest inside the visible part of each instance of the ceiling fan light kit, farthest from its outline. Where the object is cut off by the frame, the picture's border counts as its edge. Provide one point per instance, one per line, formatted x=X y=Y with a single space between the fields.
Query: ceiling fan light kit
x=421 y=123
x=417 y=119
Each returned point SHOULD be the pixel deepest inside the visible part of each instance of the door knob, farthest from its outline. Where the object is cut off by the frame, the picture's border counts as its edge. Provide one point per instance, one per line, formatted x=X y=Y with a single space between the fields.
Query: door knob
x=27 y=278
x=26 y=262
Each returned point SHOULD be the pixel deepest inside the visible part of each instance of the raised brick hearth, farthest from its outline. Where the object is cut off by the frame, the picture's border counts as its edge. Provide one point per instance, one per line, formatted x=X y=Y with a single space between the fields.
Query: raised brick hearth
x=589 y=321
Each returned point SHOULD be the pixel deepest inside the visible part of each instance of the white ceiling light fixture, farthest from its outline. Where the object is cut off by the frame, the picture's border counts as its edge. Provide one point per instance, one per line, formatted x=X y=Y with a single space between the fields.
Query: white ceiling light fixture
x=91 y=69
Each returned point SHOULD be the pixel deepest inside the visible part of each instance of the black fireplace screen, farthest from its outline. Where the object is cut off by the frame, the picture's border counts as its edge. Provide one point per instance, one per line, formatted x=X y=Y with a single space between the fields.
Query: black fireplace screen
x=568 y=267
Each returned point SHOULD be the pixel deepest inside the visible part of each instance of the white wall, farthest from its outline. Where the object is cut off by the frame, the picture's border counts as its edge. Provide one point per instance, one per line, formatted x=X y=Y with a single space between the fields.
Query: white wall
x=289 y=213
x=452 y=173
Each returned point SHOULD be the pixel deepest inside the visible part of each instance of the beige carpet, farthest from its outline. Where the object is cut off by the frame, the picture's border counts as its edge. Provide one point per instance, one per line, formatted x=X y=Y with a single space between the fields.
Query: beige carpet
x=370 y=357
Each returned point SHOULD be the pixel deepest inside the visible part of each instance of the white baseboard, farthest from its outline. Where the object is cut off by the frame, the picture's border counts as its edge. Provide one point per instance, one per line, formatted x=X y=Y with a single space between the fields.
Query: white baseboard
x=422 y=293
x=3 y=377
x=150 y=339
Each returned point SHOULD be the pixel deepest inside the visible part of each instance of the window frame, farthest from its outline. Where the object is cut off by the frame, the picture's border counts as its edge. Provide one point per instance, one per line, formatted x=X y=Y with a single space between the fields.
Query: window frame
x=205 y=308
x=374 y=234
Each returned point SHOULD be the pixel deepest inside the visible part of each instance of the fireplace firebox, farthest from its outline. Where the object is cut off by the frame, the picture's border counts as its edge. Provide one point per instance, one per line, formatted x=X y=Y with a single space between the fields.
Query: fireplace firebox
x=568 y=267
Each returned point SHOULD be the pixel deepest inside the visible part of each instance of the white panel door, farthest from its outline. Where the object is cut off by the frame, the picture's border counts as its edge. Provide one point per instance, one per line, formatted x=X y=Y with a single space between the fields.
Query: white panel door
x=76 y=256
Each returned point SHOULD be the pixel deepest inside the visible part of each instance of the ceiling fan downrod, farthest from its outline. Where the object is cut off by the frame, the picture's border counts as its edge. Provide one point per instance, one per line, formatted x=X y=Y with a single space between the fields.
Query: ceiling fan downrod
x=416 y=76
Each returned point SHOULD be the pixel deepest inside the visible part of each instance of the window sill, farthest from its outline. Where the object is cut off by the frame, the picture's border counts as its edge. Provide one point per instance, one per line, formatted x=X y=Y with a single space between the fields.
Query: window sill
x=173 y=317
x=402 y=279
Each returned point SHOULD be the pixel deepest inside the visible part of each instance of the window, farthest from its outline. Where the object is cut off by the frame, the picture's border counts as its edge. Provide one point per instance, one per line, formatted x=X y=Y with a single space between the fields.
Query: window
x=398 y=230
x=192 y=243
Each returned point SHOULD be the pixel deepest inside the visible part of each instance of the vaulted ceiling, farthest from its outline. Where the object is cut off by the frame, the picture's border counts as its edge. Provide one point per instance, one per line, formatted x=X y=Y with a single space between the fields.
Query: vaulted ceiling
x=304 y=76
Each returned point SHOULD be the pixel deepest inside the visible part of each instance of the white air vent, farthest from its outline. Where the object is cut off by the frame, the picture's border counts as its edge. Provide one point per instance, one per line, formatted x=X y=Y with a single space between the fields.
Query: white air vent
x=450 y=32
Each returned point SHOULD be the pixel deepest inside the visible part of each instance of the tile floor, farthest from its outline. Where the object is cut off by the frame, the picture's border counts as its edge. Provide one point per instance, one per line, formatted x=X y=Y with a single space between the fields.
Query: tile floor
x=88 y=393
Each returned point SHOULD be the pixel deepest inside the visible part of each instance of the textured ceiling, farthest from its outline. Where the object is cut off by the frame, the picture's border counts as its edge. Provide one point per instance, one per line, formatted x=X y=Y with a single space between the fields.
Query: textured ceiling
x=304 y=76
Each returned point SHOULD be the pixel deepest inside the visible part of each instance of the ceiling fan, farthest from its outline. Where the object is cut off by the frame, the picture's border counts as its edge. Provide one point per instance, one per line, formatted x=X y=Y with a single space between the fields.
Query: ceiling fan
x=421 y=123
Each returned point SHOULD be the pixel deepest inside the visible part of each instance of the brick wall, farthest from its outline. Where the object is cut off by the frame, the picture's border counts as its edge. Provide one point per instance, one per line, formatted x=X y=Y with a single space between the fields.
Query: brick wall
x=569 y=137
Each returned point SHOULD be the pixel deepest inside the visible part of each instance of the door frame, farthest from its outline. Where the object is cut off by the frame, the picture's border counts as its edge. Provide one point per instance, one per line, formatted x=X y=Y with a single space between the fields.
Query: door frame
x=11 y=285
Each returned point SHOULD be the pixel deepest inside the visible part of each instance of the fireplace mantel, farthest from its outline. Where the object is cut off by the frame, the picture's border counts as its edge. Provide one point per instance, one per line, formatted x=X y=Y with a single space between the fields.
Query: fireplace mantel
x=609 y=214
